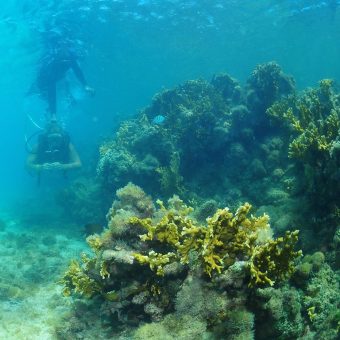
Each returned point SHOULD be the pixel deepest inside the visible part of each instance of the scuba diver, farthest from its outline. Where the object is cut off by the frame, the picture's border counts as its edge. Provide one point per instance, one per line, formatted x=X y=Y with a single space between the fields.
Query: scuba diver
x=59 y=59
x=54 y=151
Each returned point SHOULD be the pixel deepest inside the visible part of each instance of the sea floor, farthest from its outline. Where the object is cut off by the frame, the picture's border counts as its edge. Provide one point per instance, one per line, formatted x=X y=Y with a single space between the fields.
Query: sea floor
x=35 y=250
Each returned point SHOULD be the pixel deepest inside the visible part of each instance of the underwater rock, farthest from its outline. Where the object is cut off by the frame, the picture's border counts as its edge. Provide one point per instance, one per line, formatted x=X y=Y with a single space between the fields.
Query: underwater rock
x=154 y=311
x=229 y=87
x=207 y=209
x=267 y=84
x=118 y=256
x=234 y=276
x=133 y=198
x=167 y=264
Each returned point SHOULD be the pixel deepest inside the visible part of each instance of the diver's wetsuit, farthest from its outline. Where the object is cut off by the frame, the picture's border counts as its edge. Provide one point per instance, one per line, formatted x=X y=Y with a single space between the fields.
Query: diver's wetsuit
x=53 y=68
x=53 y=148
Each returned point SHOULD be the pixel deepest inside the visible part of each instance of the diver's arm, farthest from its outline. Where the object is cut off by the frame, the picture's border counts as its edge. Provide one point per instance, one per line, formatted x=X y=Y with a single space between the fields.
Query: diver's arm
x=31 y=162
x=81 y=78
x=78 y=72
x=75 y=161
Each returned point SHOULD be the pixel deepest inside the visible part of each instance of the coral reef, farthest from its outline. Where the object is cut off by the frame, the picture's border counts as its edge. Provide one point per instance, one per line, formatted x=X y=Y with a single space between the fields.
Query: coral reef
x=266 y=85
x=313 y=121
x=205 y=126
x=173 y=270
x=162 y=262
x=310 y=312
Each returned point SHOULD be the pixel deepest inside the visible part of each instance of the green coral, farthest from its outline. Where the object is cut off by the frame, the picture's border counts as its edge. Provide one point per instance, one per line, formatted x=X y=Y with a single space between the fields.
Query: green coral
x=321 y=303
x=279 y=313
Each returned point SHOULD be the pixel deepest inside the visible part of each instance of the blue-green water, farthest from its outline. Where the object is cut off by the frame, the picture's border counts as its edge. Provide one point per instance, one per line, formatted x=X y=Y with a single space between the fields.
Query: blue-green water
x=129 y=51
x=135 y=48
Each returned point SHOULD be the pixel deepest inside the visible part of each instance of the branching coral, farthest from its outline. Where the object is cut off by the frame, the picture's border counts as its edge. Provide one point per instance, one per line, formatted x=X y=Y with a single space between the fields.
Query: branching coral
x=314 y=118
x=149 y=277
x=273 y=261
x=267 y=84
x=77 y=280
x=226 y=237
x=314 y=122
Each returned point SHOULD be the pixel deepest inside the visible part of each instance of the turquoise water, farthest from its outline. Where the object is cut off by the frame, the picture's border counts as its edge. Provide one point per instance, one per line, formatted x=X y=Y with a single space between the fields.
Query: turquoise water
x=129 y=51
x=134 y=49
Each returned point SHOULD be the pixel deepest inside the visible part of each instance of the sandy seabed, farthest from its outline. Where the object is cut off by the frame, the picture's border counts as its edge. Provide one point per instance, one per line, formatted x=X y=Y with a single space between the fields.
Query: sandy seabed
x=33 y=259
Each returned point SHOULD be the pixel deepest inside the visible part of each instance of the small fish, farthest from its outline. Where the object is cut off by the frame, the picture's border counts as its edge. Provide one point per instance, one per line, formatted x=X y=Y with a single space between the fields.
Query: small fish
x=159 y=119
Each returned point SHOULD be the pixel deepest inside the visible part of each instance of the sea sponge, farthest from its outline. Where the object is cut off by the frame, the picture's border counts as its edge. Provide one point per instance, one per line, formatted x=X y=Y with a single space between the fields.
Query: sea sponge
x=302 y=273
x=132 y=197
x=196 y=299
x=207 y=209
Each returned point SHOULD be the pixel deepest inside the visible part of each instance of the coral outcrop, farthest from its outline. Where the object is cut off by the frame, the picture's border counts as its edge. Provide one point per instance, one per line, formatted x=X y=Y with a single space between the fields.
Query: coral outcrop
x=200 y=270
x=149 y=261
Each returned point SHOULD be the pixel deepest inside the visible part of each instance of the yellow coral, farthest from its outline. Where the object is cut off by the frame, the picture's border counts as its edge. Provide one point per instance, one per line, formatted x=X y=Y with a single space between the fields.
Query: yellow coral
x=95 y=242
x=274 y=260
x=314 y=117
x=226 y=238
x=76 y=279
x=311 y=313
x=155 y=260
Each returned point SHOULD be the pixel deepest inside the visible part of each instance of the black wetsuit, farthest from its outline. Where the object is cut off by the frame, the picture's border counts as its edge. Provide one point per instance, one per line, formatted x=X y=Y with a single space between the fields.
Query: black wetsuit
x=52 y=69
x=52 y=150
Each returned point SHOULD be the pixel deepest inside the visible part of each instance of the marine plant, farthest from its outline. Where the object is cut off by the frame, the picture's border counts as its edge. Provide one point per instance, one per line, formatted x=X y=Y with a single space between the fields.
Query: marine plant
x=313 y=122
